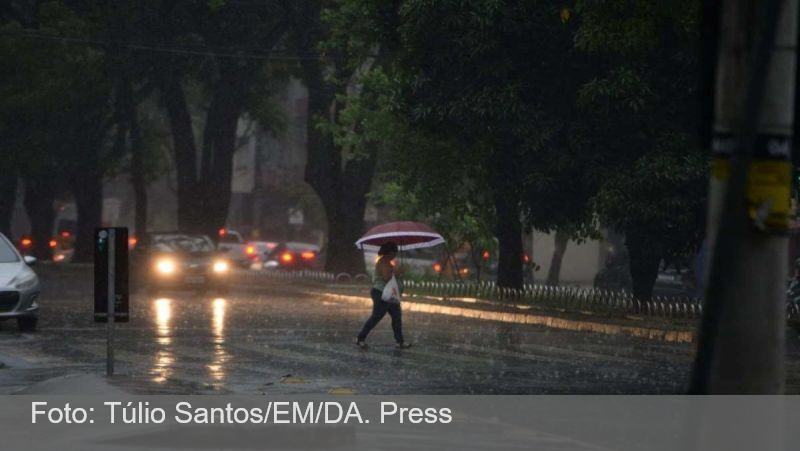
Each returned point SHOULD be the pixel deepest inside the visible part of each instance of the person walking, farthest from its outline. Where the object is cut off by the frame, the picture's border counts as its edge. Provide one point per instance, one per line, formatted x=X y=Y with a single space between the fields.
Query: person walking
x=384 y=271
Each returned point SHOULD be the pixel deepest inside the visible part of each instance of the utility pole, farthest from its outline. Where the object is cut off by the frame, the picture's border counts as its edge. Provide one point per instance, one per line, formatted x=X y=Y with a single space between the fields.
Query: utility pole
x=741 y=337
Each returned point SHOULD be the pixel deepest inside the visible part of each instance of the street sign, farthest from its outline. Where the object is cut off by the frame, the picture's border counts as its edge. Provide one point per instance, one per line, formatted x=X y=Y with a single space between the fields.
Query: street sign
x=111 y=259
x=296 y=216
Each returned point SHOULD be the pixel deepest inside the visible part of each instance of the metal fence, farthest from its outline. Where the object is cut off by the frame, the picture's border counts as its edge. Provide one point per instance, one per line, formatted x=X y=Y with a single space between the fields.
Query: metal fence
x=572 y=299
x=568 y=299
x=317 y=276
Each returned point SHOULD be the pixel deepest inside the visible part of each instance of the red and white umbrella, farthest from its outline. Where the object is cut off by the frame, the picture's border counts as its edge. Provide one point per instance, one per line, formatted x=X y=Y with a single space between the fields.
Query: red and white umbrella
x=406 y=234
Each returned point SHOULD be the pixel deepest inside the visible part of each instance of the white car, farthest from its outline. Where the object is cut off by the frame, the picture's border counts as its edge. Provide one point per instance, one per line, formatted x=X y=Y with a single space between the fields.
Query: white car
x=232 y=243
x=258 y=251
x=19 y=287
x=417 y=261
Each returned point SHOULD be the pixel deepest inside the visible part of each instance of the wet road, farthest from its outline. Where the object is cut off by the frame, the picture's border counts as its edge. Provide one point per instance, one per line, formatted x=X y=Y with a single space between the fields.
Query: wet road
x=271 y=338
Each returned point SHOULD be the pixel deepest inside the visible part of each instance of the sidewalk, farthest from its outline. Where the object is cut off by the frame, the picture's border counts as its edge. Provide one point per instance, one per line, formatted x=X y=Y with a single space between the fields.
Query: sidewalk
x=74 y=384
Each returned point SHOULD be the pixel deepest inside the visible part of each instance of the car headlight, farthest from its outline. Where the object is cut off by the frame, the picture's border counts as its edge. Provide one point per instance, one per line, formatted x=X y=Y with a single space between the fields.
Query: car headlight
x=24 y=282
x=220 y=266
x=165 y=266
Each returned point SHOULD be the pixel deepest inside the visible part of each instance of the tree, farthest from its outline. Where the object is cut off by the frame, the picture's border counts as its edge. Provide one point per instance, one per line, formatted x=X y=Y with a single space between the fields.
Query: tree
x=8 y=193
x=340 y=174
x=86 y=68
x=220 y=49
x=640 y=115
x=9 y=10
x=56 y=107
x=462 y=75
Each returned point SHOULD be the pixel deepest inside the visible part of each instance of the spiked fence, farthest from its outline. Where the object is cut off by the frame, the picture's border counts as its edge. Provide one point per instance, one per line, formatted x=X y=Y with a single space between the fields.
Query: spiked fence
x=304 y=274
x=573 y=299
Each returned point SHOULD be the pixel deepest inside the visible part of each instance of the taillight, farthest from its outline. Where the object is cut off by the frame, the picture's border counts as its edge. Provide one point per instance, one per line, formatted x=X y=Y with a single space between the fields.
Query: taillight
x=65 y=234
x=221 y=232
x=287 y=257
x=26 y=242
x=308 y=255
x=53 y=244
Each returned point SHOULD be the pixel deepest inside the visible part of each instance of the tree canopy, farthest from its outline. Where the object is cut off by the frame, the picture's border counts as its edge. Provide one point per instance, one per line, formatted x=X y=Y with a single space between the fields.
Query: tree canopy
x=570 y=115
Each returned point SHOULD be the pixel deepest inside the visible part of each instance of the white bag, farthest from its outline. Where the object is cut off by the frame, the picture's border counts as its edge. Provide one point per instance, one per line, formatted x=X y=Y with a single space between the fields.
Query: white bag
x=391 y=292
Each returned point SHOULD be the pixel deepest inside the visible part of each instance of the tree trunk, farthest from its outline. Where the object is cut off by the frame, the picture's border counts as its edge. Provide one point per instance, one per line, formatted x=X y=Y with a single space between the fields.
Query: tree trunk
x=346 y=221
x=509 y=225
x=345 y=226
x=342 y=191
x=185 y=153
x=87 y=189
x=219 y=146
x=138 y=181
x=8 y=198
x=39 y=198
x=509 y=236
x=561 y=241
x=644 y=260
x=204 y=199
x=344 y=200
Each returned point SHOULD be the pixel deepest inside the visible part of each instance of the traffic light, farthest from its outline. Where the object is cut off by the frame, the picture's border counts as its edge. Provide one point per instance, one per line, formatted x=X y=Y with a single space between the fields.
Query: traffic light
x=102 y=266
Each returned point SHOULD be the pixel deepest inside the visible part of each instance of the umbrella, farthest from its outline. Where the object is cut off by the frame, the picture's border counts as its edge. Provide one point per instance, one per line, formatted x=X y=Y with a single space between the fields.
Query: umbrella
x=407 y=235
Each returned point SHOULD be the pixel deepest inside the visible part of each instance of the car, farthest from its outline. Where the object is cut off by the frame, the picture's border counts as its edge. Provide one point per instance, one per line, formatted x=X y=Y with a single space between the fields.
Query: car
x=674 y=282
x=61 y=244
x=416 y=261
x=19 y=287
x=293 y=255
x=178 y=260
x=259 y=251
x=231 y=242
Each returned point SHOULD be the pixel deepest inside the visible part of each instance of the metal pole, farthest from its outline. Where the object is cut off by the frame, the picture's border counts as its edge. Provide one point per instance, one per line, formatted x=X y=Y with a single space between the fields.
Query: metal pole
x=741 y=340
x=112 y=298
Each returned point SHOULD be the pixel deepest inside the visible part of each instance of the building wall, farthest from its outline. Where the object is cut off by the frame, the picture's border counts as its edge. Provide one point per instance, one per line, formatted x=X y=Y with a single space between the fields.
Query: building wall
x=580 y=264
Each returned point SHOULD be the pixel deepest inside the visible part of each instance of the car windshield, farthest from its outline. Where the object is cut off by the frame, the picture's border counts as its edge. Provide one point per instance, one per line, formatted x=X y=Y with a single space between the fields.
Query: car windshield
x=182 y=243
x=7 y=254
x=231 y=237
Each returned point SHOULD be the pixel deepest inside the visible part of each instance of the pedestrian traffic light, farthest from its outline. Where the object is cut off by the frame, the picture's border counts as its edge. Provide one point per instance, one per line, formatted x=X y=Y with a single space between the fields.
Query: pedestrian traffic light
x=104 y=266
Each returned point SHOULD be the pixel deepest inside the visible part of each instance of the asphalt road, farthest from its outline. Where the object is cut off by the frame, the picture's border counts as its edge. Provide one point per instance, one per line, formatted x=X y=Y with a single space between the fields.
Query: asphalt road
x=273 y=339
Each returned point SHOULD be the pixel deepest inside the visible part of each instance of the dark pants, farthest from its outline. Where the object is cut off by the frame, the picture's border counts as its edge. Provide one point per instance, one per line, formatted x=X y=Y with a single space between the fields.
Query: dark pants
x=379 y=310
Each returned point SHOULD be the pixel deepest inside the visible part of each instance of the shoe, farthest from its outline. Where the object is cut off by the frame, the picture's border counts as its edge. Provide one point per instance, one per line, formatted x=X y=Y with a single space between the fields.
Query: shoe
x=362 y=344
x=403 y=345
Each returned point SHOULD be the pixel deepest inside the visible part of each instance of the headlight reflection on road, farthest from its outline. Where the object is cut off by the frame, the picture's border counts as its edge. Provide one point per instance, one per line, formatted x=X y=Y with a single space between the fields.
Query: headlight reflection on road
x=218 y=320
x=165 y=359
x=220 y=357
x=163 y=311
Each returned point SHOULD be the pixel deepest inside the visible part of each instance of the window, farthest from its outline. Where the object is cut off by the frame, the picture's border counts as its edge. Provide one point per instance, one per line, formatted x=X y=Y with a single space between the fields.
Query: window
x=7 y=253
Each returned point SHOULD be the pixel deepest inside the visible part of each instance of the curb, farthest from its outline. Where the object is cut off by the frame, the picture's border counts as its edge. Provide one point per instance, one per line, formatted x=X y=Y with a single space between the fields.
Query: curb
x=539 y=319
